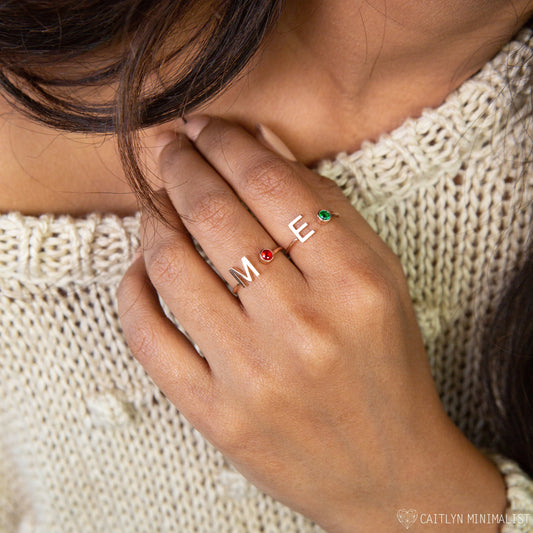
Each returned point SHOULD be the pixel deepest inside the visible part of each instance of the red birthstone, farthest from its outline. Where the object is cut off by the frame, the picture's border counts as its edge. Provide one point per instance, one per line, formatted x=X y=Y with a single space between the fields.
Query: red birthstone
x=267 y=255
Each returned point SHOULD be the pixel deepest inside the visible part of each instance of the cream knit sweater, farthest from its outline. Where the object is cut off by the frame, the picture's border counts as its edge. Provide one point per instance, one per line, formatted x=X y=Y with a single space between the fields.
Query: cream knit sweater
x=89 y=444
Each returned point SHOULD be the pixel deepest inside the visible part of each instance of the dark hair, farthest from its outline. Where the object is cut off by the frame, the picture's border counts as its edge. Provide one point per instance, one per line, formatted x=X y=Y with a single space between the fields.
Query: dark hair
x=126 y=42
x=507 y=369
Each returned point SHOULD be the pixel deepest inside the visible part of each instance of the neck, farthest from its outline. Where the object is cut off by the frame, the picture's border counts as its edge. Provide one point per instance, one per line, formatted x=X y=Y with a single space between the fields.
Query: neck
x=337 y=72
x=332 y=74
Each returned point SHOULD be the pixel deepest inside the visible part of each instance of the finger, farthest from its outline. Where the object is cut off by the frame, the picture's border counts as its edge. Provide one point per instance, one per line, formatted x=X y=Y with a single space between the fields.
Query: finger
x=227 y=232
x=278 y=191
x=194 y=293
x=162 y=350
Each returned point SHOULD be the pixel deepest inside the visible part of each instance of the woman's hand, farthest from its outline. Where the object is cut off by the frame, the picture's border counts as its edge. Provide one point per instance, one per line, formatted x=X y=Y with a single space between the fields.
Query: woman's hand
x=315 y=382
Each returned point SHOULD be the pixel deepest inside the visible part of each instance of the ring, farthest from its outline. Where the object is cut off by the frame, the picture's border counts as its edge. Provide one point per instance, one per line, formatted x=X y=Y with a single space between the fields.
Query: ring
x=288 y=249
x=266 y=255
x=325 y=216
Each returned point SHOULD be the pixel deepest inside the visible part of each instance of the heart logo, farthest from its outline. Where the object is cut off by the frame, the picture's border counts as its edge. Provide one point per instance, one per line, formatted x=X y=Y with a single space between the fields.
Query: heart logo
x=407 y=517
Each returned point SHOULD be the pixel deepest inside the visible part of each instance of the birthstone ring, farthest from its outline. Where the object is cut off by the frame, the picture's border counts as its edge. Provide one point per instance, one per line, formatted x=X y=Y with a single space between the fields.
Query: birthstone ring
x=323 y=216
x=266 y=255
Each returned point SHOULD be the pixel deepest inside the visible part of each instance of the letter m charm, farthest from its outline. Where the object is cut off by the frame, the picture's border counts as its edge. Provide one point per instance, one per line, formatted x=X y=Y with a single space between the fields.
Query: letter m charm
x=249 y=269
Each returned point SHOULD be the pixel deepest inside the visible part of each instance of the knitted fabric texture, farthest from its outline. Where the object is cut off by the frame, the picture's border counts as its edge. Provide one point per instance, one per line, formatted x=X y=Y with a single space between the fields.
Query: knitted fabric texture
x=89 y=444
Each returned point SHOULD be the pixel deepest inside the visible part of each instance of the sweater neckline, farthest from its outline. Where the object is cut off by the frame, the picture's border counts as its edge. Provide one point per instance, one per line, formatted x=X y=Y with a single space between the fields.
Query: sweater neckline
x=411 y=156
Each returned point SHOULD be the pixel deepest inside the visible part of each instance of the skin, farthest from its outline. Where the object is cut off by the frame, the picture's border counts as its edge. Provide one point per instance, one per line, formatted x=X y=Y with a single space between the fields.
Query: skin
x=359 y=430
x=365 y=75
x=315 y=383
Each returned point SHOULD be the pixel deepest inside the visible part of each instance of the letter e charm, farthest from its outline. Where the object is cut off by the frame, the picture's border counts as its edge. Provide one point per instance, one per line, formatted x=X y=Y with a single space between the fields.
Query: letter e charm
x=298 y=230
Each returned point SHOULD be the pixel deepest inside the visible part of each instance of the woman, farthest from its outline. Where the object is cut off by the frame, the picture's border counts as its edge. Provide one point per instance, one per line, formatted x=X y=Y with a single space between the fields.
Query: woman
x=348 y=394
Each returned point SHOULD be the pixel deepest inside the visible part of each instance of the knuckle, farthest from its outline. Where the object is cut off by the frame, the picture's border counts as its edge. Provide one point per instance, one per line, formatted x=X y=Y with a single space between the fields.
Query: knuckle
x=141 y=339
x=166 y=264
x=262 y=388
x=389 y=259
x=323 y=363
x=230 y=435
x=365 y=275
x=376 y=292
x=217 y=136
x=269 y=177
x=212 y=212
x=322 y=358
x=318 y=346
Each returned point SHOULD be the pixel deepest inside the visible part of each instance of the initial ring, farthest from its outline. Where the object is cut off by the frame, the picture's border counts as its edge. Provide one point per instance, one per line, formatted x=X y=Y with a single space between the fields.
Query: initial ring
x=266 y=255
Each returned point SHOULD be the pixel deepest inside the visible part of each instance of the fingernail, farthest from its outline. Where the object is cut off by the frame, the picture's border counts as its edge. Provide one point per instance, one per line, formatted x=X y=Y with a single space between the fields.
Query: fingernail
x=194 y=125
x=272 y=141
x=162 y=140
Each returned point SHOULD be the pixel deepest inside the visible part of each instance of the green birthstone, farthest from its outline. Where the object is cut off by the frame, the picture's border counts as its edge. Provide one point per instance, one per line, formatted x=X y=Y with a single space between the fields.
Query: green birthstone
x=324 y=215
